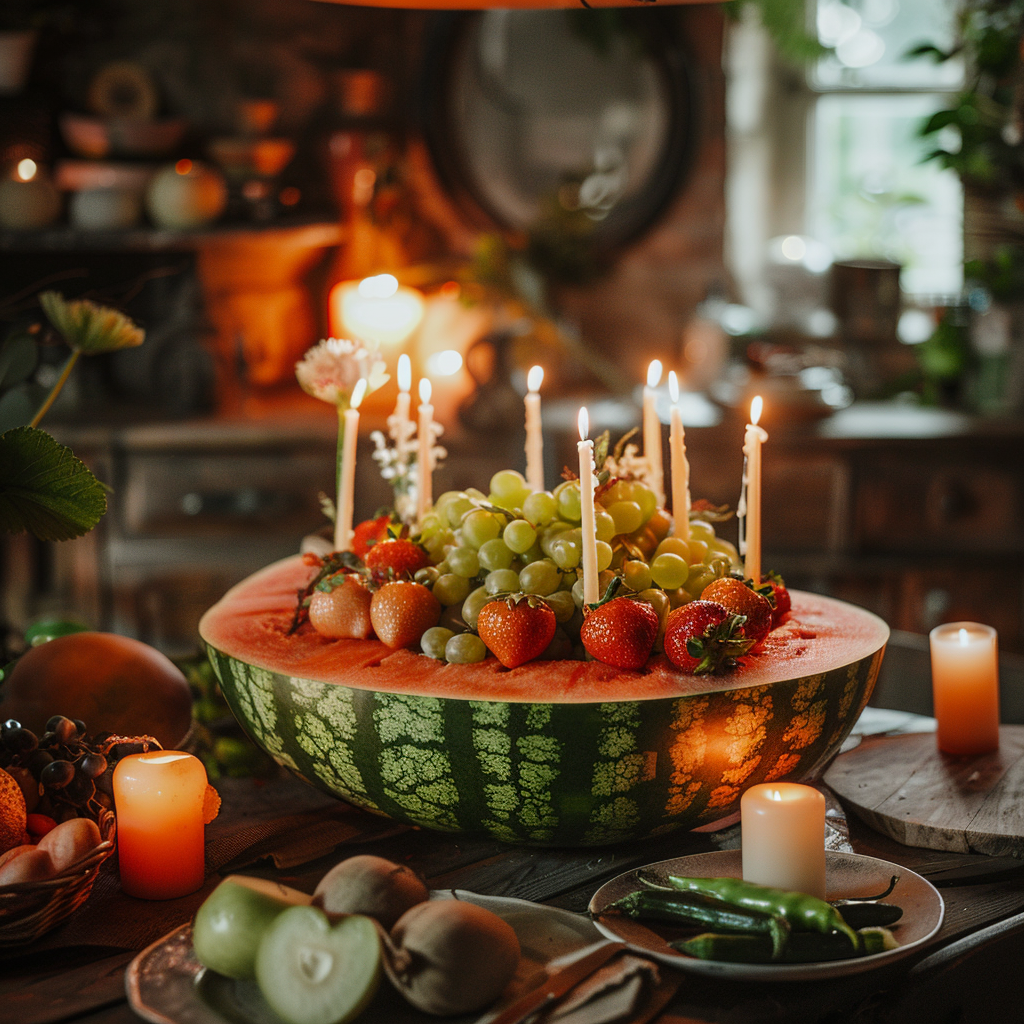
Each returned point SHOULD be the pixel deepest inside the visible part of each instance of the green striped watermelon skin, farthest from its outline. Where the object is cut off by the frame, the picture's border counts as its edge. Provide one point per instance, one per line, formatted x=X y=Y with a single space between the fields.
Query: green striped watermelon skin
x=548 y=773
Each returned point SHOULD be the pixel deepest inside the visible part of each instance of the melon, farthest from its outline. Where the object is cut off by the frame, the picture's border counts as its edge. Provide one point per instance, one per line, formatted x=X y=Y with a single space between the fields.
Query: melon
x=557 y=753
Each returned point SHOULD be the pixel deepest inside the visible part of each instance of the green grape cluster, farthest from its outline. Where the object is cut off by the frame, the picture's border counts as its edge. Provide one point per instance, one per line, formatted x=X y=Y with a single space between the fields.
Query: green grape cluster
x=516 y=540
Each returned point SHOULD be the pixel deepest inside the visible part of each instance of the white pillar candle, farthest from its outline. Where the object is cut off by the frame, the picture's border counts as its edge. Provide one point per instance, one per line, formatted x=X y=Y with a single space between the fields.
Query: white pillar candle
x=965 y=687
x=425 y=462
x=347 y=480
x=652 y=433
x=679 y=465
x=588 y=523
x=534 y=434
x=400 y=430
x=750 y=536
x=783 y=837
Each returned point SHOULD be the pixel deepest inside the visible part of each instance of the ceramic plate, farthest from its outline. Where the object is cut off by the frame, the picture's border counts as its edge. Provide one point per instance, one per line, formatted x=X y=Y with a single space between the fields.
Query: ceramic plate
x=847 y=874
x=166 y=984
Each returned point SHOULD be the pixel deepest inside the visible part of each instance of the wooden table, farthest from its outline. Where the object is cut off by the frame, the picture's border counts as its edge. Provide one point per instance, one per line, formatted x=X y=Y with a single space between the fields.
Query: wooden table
x=967 y=974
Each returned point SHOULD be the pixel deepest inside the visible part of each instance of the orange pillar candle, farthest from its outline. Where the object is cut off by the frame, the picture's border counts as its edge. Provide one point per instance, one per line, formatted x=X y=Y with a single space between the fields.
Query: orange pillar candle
x=965 y=687
x=783 y=837
x=160 y=835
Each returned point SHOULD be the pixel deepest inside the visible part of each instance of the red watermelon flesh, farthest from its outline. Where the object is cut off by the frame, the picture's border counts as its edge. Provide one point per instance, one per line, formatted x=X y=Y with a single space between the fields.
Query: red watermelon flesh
x=251 y=623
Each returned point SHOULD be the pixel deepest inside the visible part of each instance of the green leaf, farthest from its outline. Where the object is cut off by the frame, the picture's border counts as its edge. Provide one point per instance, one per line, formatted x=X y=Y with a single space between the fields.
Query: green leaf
x=45 y=488
x=18 y=359
x=89 y=328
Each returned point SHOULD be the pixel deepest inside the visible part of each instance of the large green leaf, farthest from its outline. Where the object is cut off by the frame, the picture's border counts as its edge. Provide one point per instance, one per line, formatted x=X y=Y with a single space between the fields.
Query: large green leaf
x=45 y=488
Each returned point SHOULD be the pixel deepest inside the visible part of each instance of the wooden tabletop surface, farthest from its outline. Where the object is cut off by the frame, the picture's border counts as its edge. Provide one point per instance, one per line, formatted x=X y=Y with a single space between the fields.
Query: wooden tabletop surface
x=967 y=974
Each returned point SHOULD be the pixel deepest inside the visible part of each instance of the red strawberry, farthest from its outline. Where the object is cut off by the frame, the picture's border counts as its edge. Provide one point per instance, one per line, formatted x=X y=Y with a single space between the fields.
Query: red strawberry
x=741 y=599
x=703 y=637
x=340 y=607
x=402 y=611
x=516 y=630
x=397 y=558
x=774 y=589
x=621 y=632
x=368 y=533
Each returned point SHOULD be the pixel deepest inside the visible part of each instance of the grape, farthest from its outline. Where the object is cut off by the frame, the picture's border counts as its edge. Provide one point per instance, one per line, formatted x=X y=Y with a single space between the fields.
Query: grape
x=451 y=618
x=105 y=783
x=562 y=604
x=577 y=593
x=698 y=551
x=479 y=527
x=637 y=574
x=92 y=765
x=38 y=760
x=551 y=533
x=445 y=499
x=509 y=489
x=604 y=555
x=430 y=524
x=428 y=575
x=464 y=649
x=566 y=553
x=660 y=523
x=675 y=546
x=463 y=562
x=494 y=554
x=659 y=601
x=540 y=577
x=455 y=510
x=669 y=571
x=699 y=580
x=645 y=541
x=57 y=774
x=451 y=589
x=473 y=605
x=700 y=530
x=679 y=597
x=645 y=498
x=17 y=738
x=718 y=546
x=62 y=728
x=433 y=641
x=626 y=515
x=534 y=554
x=80 y=790
x=501 y=581
x=604 y=577
x=540 y=508
x=519 y=536
x=604 y=525
x=569 y=501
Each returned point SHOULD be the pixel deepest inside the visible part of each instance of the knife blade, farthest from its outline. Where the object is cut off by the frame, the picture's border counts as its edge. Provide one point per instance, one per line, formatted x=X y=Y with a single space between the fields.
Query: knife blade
x=557 y=983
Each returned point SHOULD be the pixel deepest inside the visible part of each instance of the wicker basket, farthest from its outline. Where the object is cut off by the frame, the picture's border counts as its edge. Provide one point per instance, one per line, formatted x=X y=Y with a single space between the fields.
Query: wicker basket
x=30 y=909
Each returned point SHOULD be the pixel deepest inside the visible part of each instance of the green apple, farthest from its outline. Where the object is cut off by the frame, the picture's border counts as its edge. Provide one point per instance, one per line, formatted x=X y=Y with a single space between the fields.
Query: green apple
x=229 y=925
x=313 y=972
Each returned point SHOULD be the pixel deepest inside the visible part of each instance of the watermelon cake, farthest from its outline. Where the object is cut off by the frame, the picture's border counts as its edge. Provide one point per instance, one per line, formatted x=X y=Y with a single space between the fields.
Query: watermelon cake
x=452 y=679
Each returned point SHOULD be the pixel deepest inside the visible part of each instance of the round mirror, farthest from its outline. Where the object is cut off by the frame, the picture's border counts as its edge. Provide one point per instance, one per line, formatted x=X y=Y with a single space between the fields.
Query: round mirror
x=577 y=119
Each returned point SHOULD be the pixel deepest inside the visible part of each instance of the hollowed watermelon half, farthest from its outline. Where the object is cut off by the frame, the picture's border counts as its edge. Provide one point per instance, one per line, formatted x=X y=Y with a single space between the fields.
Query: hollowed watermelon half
x=559 y=753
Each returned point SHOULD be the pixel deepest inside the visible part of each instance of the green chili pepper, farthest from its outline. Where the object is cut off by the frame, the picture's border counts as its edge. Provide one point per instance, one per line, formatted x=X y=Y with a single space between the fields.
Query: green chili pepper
x=803 y=947
x=801 y=911
x=865 y=915
x=692 y=909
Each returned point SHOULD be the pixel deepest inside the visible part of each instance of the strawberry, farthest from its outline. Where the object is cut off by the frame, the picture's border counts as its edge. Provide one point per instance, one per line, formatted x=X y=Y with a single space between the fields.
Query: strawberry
x=368 y=533
x=402 y=611
x=704 y=637
x=397 y=558
x=340 y=607
x=621 y=632
x=740 y=598
x=516 y=629
x=774 y=588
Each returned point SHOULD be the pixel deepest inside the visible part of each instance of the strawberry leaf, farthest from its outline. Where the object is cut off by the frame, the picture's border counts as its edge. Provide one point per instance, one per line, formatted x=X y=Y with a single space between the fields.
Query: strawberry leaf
x=45 y=489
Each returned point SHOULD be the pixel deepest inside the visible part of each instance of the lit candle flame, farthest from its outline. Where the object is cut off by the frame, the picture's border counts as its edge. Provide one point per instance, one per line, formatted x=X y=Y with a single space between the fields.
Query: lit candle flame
x=27 y=169
x=358 y=392
x=404 y=372
x=381 y=286
x=424 y=390
x=673 y=386
x=756 y=406
x=962 y=636
x=654 y=373
x=535 y=378
x=583 y=422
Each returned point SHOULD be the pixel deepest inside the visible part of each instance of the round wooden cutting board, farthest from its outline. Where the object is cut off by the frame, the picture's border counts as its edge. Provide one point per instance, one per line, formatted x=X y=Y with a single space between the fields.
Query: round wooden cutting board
x=906 y=788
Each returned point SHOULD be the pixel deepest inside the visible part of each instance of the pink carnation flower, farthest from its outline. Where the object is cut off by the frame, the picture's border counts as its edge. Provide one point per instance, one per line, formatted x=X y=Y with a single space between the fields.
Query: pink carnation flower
x=329 y=371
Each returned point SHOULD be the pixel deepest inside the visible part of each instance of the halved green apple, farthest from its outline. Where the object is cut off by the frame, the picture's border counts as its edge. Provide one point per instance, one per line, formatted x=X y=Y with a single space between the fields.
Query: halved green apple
x=229 y=925
x=313 y=972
